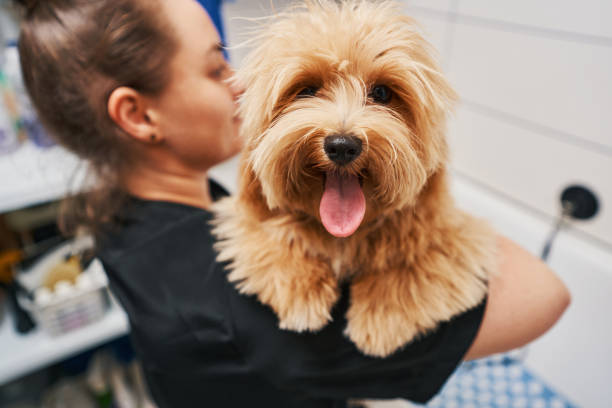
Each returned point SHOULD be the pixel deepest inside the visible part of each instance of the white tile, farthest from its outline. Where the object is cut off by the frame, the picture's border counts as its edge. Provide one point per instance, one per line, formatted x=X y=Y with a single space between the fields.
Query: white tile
x=236 y=15
x=436 y=32
x=529 y=167
x=226 y=174
x=438 y=5
x=561 y=85
x=590 y=17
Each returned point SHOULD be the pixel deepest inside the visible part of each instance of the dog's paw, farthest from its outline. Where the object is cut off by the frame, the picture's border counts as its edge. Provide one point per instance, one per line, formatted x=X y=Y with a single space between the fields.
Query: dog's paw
x=304 y=318
x=380 y=334
x=306 y=305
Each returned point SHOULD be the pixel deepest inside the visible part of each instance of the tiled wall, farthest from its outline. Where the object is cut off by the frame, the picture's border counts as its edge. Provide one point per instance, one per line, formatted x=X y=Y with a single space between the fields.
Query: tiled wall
x=536 y=89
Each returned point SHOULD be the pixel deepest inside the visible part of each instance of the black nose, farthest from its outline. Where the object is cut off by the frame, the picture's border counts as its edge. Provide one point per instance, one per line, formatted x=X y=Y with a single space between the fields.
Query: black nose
x=342 y=149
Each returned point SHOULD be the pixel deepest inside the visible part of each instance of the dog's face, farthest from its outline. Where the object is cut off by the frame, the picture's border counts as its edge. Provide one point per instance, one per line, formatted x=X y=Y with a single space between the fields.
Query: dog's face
x=344 y=113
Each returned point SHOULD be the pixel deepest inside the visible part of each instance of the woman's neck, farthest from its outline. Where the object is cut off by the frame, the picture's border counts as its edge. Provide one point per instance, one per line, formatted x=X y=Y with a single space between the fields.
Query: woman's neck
x=168 y=182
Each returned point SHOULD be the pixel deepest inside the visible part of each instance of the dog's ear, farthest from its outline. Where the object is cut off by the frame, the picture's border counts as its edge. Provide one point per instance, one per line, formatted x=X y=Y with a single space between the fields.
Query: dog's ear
x=428 y=95
x=268 y=90
x=250 y=191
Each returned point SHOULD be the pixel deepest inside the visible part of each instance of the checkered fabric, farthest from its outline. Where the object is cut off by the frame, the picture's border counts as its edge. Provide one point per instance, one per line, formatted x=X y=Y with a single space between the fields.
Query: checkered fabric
x=497 y=382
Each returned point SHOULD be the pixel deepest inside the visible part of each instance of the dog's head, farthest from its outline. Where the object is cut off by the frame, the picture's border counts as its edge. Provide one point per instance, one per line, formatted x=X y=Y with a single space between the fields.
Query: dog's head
x=344 y=113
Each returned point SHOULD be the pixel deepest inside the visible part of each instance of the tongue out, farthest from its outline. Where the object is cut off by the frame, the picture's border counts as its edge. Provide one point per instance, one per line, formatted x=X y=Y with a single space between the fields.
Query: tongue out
x=343 y=205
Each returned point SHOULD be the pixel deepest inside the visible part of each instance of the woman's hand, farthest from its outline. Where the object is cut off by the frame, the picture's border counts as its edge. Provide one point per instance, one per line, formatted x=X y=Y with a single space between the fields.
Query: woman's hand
x=526 y=299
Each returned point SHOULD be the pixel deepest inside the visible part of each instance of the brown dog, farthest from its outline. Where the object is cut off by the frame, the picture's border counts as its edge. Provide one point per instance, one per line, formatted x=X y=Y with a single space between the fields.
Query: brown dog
x=344 y=177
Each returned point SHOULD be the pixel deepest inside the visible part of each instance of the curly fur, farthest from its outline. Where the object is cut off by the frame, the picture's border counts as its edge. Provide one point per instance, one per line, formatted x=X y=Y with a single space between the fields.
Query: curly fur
x=415 y=260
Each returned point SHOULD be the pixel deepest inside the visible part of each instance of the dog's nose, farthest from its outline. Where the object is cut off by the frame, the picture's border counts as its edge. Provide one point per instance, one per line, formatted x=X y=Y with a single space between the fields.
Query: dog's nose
x=342 y=149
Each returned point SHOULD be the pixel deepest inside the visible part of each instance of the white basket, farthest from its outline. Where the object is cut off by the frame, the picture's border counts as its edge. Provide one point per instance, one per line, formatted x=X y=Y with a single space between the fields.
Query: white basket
x=69 y=306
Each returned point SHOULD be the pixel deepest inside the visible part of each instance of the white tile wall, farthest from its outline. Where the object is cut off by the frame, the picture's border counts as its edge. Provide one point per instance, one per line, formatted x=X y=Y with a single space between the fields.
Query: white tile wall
x=562 y=85
x=439 y=5
x=527 y=166
x=436 y=31
x=590 y=17
x=239 y=17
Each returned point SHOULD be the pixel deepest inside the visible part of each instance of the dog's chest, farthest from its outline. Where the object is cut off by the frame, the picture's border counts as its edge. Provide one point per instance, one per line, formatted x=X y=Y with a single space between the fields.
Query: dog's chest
x=345 y=258
x=336 y=265
x=342 y=264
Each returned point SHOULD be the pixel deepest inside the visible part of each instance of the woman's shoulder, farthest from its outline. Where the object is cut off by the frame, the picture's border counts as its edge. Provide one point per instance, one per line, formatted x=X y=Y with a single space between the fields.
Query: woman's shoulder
x=162 y=268
x=160 y=254
x=162 y=245
x=145 y=225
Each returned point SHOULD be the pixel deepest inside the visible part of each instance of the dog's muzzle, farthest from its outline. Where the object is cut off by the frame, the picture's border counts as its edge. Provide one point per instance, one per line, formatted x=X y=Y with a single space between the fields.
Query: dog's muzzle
x=342 y=149
x=343 y=203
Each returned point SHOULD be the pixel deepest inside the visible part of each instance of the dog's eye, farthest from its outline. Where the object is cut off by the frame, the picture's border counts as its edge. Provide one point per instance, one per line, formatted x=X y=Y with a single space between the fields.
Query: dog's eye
x=307 y=92
x=381 y=94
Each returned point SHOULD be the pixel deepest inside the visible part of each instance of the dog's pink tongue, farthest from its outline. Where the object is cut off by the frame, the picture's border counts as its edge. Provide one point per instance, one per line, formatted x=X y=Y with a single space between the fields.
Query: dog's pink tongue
x=343 y=205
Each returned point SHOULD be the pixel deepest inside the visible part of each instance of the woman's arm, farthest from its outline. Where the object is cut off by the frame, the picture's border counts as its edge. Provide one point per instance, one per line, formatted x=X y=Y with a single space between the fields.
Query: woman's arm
x=526 y=299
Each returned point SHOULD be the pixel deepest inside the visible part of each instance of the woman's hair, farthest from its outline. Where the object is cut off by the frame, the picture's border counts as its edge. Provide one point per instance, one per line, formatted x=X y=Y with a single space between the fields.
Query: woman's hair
x=74 y=53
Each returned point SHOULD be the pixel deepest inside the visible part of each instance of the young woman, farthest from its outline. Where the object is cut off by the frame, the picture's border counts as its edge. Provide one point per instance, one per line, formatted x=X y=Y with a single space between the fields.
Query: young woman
x=138 y=88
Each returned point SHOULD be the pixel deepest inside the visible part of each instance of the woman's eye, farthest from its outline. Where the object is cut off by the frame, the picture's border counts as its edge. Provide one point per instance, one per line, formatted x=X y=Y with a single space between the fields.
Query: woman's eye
x=381 y=94
x=220 y=71
x=308 y=92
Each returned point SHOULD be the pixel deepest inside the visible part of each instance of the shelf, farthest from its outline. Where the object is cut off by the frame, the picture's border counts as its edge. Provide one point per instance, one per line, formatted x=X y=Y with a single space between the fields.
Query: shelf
x=31 y=175
x=22 y=354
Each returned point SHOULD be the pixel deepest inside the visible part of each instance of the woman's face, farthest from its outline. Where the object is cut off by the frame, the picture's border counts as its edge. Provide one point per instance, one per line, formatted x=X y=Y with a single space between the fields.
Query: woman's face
x=197 y=111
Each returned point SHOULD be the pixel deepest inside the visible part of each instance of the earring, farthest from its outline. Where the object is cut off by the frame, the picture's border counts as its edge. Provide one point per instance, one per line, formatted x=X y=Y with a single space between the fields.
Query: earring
x=153 y=137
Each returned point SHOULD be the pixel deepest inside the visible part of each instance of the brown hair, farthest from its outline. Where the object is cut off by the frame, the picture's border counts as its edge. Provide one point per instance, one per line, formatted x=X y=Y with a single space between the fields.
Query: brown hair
x=74 y=53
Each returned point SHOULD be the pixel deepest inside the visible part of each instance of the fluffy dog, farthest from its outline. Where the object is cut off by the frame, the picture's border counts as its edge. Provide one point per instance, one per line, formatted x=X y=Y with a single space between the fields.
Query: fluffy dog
x=344 y=178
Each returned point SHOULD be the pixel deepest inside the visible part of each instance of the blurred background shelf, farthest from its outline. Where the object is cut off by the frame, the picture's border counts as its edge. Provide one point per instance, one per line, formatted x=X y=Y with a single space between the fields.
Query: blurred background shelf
x=33 y=175
x=23 y=354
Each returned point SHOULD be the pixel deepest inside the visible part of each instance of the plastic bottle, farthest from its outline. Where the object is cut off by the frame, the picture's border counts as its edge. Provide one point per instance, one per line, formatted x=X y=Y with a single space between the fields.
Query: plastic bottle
x=9 y=139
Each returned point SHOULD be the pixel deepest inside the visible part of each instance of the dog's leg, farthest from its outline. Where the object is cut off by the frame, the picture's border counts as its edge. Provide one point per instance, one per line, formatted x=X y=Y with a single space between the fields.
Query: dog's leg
x=389 y=308
x=305 y=295
x=382 y=316
x=300 y=287
x=301 y=290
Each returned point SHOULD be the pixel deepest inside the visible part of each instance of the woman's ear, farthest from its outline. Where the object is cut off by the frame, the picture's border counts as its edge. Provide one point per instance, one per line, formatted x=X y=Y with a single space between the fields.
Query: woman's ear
x=129 y=110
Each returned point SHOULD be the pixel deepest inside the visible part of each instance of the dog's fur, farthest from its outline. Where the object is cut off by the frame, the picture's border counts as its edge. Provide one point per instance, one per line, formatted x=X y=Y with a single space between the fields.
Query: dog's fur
x=415 y=260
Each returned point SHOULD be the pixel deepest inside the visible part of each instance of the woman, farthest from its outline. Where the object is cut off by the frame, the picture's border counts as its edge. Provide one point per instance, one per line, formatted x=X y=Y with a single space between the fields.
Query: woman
x=139 y=89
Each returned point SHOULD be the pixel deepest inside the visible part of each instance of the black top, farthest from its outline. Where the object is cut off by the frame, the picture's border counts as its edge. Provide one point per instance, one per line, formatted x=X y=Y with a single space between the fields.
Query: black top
x=202 y=343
